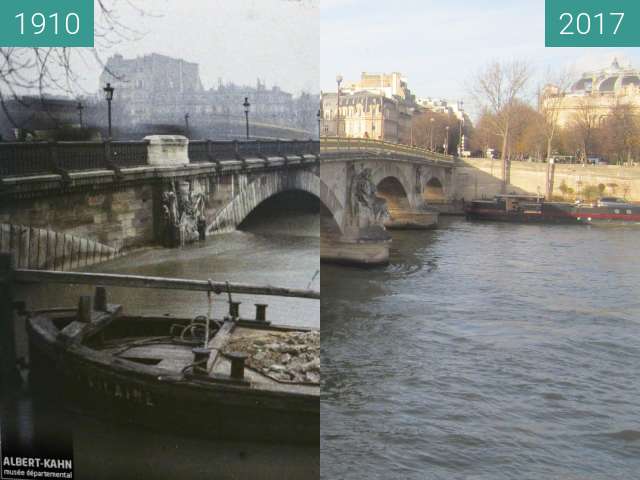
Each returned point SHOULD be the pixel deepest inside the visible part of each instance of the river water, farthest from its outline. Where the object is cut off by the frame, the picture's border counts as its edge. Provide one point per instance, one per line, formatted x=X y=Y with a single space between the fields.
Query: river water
x=485 y=351
x=276 y=247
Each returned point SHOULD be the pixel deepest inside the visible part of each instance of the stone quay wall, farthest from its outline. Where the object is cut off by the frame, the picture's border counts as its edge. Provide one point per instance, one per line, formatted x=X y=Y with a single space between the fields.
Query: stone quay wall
x=482 y=178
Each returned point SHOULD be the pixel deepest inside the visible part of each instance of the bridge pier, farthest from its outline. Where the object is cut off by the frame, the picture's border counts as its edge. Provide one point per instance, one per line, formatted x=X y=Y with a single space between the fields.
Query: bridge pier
x=364 y=246
x=411 y=220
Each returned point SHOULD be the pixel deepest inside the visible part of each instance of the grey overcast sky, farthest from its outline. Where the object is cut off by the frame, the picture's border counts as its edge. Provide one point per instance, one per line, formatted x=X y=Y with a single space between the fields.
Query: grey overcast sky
x=237 y=40
x=439 y=46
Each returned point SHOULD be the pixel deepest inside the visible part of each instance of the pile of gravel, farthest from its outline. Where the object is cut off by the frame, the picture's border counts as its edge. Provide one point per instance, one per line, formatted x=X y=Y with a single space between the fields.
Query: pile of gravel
x=288 y=357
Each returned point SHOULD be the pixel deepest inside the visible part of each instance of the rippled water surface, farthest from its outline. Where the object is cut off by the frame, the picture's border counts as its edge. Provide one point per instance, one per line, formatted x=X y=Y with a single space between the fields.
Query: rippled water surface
x=485 y=351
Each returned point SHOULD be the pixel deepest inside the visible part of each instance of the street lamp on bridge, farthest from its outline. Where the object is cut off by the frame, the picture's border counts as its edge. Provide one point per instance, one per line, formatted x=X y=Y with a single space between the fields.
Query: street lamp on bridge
x=80 y=109
x=319 y=116
x=186 y=124
x=446 y=139
x=108 y=95
x=338 y=81
x=431 y=120
x=246 y=106
x=461 y=134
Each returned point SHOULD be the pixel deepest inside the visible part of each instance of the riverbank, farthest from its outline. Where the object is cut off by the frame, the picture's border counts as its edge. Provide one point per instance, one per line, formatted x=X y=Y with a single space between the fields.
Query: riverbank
x=482 y=178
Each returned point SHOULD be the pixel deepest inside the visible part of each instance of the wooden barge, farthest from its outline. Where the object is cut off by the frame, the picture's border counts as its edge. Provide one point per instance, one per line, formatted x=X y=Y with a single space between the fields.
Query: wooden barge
x=232 y=378
x=534 y=209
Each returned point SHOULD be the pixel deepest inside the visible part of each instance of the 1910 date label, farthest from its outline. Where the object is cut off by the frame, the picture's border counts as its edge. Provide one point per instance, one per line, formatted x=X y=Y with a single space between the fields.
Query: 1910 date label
x=46 y=23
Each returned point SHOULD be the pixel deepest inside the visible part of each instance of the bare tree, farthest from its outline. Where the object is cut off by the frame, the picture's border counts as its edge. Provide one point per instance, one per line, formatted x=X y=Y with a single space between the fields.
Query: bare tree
x=430 y=128
x=585 y=123
x=621 y=131
x=550 y=98
x=496 y=89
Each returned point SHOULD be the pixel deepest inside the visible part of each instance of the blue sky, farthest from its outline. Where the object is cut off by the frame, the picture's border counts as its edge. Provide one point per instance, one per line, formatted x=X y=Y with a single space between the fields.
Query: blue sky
x=440 y=45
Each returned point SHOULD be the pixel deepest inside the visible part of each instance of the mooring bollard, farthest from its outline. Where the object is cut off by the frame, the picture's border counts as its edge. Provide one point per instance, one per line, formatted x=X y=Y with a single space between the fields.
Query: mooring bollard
x=261 y=312
x=8 y=371
x=234 y=309
x=84 y=309
x=200 y=359
x=237 y=364
x=100 y=299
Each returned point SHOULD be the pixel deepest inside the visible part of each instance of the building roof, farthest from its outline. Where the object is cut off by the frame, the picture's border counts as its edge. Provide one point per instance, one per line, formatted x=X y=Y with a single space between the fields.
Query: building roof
x=608 y=80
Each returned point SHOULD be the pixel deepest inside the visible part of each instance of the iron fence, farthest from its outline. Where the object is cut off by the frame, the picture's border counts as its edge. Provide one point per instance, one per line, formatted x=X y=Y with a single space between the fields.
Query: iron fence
x=39 y=158
x=209 y=151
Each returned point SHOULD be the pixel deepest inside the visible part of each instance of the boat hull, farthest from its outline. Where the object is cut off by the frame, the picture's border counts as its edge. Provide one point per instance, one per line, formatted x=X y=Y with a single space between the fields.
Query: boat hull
x=554 y=213
x=83 y=380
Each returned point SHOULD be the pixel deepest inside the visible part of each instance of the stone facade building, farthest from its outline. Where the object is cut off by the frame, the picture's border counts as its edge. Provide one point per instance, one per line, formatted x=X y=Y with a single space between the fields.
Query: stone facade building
x=379 y=106
x=160 y=89
x=598 y=91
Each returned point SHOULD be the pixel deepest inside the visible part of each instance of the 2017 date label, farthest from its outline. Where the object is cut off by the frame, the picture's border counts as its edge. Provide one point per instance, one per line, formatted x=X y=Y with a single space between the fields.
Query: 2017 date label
x=592 y=23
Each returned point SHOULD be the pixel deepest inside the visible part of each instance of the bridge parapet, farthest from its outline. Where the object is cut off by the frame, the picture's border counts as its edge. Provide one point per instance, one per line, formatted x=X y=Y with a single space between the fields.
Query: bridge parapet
x=24 y=159
x=364 y=146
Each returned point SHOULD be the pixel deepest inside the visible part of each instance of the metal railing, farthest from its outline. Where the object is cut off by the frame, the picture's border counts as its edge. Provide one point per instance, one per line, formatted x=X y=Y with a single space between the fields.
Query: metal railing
x=39 y=158
x=208 y=150
x=19 y=159
x=335 y=144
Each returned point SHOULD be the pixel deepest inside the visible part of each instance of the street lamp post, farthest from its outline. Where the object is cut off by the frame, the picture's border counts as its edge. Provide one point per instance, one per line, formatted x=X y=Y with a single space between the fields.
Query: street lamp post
x=108 y=95
x=80 y=109
x=461 y=134
x=246 y=106
x=431 y=133
x=186 y=124
x=446 y=139
x=338 y=81
x=319 y=116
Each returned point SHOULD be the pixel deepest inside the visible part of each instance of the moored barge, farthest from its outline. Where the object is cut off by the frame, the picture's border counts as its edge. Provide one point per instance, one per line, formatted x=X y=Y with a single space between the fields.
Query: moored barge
x=534 y=209
x=232 y=379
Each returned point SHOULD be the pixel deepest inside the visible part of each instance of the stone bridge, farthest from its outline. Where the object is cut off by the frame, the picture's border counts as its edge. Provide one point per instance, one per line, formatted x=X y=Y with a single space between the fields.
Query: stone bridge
x=368 y=186
x=165 y=189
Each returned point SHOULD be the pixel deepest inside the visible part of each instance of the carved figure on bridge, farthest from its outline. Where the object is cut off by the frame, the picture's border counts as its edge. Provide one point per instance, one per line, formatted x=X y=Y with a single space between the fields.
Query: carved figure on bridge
x=419 y=173
x=183 y=211
x=366 y=207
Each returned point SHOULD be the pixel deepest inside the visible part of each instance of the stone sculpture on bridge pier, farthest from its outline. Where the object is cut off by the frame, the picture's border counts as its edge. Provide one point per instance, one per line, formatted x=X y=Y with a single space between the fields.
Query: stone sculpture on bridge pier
x=183 y=212
x=371 y=186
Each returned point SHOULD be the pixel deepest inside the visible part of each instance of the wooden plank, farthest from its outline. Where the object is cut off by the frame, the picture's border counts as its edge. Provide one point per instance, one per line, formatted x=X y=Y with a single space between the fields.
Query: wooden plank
x=217 y=343
x=138 y=281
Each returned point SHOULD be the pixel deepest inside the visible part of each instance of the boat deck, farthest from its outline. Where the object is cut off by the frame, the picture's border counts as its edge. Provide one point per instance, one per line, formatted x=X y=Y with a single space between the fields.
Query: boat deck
x=175 y=357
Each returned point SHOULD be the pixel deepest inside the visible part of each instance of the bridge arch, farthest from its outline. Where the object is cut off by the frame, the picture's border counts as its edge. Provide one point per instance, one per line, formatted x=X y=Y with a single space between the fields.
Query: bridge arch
x=259 y=190
x=433 y=191
x=392 y=190
x=393 y=185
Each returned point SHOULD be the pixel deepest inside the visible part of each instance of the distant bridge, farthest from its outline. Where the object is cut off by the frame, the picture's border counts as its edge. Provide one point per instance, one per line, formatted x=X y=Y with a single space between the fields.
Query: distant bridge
x=370 y=185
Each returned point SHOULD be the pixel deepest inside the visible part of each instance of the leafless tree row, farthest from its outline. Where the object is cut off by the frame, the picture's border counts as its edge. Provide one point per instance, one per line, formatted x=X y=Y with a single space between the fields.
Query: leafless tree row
x=522 y=125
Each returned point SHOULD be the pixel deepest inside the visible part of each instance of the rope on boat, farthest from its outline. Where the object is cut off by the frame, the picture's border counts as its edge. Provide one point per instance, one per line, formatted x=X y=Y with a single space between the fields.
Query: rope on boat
x=313 y=278
x=210 y=312
x=191 y=366
x=229 y=292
